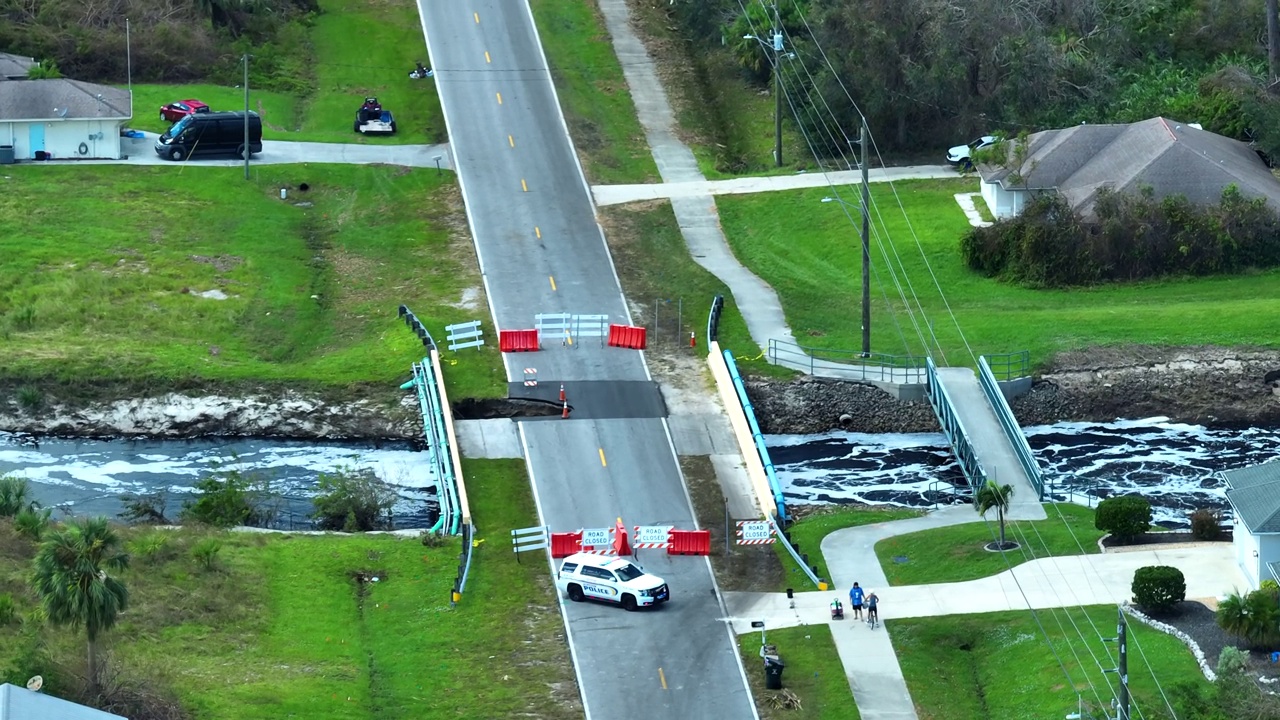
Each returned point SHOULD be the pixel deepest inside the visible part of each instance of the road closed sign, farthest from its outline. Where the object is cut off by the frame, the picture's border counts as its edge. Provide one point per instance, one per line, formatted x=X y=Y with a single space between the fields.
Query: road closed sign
x=651 y=536
x=595 y=537
x=754 y=532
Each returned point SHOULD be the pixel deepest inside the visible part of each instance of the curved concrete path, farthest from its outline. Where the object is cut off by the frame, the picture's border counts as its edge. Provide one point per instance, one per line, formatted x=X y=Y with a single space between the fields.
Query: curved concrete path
x=871 y=666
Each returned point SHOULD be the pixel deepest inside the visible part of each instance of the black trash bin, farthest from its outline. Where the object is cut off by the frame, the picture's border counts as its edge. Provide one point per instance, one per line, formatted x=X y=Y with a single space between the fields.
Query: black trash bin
x=773 y=673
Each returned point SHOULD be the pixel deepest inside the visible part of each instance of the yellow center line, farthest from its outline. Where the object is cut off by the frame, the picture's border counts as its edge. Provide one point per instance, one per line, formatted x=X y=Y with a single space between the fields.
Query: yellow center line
x=477 y=17
x=486 y=57
x=553 y=282
x=524 y=185
x=662 y=678
x=537 y=231
x=511 y=141
x=602 y=462
x=499 y=98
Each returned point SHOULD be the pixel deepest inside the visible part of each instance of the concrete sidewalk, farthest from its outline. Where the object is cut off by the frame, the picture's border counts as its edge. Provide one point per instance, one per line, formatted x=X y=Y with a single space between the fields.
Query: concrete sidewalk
x=615 y=194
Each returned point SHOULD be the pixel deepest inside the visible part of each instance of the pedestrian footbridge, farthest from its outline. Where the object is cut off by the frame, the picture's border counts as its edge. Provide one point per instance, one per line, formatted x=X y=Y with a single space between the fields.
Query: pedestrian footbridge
x=971 y=406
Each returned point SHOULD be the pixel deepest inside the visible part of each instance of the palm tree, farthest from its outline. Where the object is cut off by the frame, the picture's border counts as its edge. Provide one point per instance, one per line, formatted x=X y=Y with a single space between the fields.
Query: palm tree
x=1254 y=618
x=990 y=495
x=72 y=582
x=15 y=495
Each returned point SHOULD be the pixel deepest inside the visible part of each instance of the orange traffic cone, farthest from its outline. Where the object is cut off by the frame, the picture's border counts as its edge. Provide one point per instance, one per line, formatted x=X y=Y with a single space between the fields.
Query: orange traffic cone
x=693 y=341
x=565 y=412
x=561 y=392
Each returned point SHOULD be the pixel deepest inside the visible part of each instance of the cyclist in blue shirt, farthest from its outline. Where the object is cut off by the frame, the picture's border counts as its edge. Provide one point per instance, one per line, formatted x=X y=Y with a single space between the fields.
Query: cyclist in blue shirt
x=855 y=600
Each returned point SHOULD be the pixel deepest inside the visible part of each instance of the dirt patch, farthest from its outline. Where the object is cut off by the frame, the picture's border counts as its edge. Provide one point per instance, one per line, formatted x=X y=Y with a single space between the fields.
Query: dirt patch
x=221 y=263
x=738 y=568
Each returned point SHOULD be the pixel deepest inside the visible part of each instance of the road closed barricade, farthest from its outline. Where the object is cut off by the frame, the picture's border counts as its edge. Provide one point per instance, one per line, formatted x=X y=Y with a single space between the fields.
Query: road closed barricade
x=689 y=542
x=627 y=336
x=565 y=544
x=518 y=340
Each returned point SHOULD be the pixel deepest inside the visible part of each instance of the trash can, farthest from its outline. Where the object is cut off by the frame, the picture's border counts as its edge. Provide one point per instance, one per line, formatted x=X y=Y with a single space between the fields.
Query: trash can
x=6 y=155
x=773 y=672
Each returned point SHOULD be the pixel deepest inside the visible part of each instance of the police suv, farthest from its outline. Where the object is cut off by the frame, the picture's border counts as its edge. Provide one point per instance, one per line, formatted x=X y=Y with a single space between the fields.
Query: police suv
x=600 y=577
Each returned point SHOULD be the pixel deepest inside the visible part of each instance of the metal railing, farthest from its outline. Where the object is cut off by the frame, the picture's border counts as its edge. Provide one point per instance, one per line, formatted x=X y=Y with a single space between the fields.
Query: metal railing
x=758 y=436
x=847 y=364
x=713 y=318
x=464 y=562
x=808 y=571
x=1009 y=423
x=1009 y=366
x=953 y=428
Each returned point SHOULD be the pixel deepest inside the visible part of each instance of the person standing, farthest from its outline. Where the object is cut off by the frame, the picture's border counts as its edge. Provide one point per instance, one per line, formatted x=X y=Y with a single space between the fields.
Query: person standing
x=855 y=600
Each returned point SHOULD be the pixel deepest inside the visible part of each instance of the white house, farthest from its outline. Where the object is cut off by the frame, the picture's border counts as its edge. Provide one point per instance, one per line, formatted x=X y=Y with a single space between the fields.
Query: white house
x=1169 y=157
x=1254 y=494
x=62 y=119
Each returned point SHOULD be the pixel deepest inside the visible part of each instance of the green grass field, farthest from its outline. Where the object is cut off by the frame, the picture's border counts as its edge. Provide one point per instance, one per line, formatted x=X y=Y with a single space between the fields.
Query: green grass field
x=282 y=628
x=809 y=252
x=813 y=672
x=808 y=532
x=999 y=665
x=311 y=292
x=360 y=48
x=653 y=264
x=955 y=553
x=593 y=93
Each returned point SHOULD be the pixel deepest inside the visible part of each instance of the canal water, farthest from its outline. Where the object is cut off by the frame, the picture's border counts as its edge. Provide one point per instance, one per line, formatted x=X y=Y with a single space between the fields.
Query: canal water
x=88 y=477
x=1171 y=464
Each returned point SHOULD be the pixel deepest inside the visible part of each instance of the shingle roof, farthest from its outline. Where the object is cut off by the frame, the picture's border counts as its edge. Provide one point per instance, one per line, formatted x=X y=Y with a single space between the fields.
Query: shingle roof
x=48 y=99
x=1254 y=492
x=21 y=704
x=15 y=66
x=1170 y=157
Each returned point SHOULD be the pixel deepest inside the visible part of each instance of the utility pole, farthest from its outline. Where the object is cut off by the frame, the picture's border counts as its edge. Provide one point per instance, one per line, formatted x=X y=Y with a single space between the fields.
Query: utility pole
x=866 y=247
x=777 y=85
x=1122 y=667
x=246 y=116
x=128 y=62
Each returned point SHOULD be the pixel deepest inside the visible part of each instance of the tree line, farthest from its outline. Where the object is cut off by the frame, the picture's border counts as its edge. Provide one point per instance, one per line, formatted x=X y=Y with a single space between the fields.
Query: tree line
x=929 y=73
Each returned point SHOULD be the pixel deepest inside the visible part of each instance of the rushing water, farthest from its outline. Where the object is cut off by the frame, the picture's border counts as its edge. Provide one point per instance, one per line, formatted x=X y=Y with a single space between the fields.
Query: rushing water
x=88 y=477
x=1171 y=464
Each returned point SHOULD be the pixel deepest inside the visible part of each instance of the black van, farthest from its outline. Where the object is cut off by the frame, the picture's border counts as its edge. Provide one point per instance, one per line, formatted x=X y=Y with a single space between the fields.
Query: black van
x=211 y=133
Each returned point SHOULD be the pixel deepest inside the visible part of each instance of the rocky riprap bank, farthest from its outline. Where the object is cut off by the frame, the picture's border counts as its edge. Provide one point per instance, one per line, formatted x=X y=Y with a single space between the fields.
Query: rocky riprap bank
x=1203 y=386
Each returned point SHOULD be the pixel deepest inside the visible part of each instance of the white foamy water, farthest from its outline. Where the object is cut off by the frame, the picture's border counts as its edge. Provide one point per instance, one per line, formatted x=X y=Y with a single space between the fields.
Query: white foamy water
x=89 y=476
x=1171 y=464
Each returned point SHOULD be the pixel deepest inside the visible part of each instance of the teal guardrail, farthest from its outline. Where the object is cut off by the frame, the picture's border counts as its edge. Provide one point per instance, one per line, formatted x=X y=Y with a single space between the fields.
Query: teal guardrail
x=774 y=485
x=953 y=428
x=851 y=364
x=424 y=382
x=1009 y=424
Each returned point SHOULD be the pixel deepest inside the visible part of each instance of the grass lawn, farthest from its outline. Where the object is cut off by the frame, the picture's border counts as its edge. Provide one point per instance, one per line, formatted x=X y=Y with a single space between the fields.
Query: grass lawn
x=311 y=292
x=281 y=628
x=726 y=119
x=809 y=252
x=593 y=93
x=813 y=672
x=359 y=48
x=653 y=264
x=807 y=534
x=998 y=665
x=955 y=553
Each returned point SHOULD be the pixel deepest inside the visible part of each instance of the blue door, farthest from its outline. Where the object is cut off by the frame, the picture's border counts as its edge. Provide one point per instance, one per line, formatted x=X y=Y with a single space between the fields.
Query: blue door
x=37 y=137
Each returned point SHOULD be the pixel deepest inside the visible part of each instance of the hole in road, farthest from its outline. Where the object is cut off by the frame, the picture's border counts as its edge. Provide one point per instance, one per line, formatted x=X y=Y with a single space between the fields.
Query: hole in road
x=486 y=408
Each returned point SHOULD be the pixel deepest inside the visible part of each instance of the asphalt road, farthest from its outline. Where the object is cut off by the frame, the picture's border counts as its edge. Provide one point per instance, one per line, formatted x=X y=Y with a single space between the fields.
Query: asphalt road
x=541 y=251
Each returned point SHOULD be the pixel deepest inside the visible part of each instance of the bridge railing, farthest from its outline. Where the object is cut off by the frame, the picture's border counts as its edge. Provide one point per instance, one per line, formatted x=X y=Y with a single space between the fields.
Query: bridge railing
x=953 y=428
x=774 y=486
x=855 y=365
x=1009 y=366
x=1009 y=424
x=713 y=318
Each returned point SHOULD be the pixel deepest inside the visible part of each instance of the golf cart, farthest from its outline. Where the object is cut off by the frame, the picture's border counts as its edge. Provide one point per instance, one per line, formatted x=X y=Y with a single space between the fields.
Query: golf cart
x=371 y=119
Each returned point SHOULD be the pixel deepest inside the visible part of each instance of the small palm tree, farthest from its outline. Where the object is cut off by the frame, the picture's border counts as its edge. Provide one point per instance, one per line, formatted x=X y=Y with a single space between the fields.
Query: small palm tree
x=990 y=495
x=72 y=582
x=1254 y=618
x=15 y=495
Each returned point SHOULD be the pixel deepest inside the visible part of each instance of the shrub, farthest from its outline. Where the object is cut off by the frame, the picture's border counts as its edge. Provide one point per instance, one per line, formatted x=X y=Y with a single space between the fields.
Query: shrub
x=1206 y=524
x=206 y=552
x=1270 y=585
x=15 y=495
x=30 y=398
x=146 y=508
x=1253 y=618
x=1158 y=588
x=224 y=500
x=1126 y=517
x=353 y=501
x=8 y=611
x=32 y=522
x=151 y=547
x=1232 y=661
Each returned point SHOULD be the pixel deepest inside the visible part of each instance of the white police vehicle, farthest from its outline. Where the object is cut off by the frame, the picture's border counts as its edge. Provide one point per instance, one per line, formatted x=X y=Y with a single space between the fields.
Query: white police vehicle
x=585 y=576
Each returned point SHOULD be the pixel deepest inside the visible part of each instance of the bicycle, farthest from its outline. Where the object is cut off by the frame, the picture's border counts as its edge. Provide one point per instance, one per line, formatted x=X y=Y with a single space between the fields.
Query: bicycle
x=873 y=620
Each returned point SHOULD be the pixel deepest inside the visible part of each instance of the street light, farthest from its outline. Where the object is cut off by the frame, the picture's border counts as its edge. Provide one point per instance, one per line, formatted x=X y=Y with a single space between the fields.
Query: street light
x=777 y=92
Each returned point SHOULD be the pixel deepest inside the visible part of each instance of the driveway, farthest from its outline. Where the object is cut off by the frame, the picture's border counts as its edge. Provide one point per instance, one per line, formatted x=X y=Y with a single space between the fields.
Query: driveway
x=141 y=151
